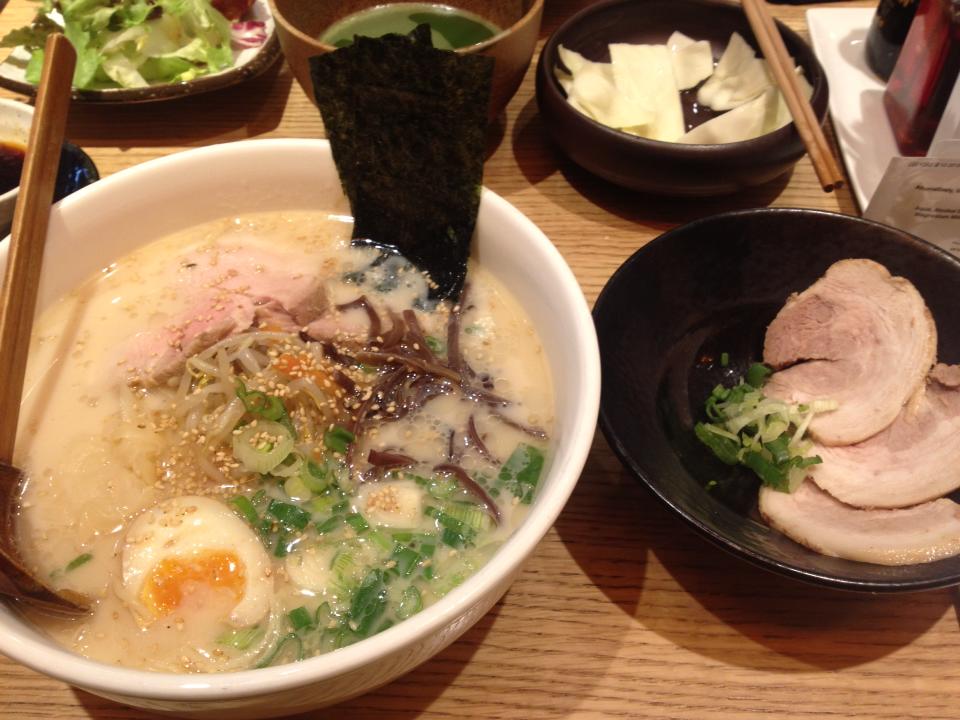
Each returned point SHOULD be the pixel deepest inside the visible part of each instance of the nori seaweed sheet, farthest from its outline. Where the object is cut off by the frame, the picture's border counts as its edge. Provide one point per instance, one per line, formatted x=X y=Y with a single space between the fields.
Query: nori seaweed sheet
x=407 y=125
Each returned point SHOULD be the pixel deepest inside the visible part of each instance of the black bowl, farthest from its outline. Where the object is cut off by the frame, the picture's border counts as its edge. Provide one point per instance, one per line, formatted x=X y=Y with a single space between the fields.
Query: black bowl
x=76 y=171
x=712 y=287
x=651 y=165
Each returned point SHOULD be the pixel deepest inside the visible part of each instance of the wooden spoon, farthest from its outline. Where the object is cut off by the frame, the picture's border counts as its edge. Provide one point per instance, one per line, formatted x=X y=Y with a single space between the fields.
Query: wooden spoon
x=18 y=301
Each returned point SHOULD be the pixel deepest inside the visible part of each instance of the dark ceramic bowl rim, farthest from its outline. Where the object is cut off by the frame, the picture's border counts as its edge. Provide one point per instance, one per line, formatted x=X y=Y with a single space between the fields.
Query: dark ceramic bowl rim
x=535 y=7
x=786 y=134
x=722 y=541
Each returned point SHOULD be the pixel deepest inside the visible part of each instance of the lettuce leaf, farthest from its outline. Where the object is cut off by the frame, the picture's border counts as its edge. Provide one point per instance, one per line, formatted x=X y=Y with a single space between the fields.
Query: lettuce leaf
x=131 y=43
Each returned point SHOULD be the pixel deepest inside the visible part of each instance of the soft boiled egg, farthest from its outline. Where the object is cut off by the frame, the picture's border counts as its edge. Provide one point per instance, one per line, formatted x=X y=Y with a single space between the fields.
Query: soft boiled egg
x=190 y=552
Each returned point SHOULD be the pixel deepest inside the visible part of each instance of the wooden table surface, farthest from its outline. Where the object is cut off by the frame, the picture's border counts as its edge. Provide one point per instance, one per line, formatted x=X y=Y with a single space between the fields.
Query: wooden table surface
x=622 y=611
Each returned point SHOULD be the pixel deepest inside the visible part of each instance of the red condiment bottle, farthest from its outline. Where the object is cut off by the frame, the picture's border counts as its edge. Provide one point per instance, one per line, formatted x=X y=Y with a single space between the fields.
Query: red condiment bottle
x=924 y=75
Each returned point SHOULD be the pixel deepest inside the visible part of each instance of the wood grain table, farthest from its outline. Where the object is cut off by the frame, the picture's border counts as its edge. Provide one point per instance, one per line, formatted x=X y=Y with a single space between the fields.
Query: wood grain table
x=622 y=611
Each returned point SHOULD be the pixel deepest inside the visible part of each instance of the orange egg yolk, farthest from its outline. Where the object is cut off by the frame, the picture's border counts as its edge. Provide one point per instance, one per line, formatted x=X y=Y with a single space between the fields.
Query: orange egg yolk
x=174 y=579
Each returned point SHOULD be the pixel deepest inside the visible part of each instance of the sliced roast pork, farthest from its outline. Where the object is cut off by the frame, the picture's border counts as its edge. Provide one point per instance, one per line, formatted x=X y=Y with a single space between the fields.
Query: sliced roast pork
x=225 y=289
x=915 y=459
x=858 y=336
x=811 y=517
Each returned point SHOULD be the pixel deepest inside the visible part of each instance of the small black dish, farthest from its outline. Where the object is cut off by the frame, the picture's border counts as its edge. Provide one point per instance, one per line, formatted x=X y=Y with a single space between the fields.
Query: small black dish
x=653 y=166
x=711 y=287
x=76 y=171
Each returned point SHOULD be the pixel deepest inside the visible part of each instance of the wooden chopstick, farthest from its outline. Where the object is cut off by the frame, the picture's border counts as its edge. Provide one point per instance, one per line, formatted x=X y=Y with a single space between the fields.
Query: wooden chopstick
x=781 y=65
x=18 y=297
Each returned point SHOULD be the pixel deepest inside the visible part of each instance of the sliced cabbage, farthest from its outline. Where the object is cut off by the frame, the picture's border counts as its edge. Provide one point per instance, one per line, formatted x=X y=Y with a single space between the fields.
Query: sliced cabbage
x=638 y=92
x=573 y=60
x=692 y=60
x=742 y=123
x=740 y=77
x=678 y=41
x=644 y=75
x=591 y=89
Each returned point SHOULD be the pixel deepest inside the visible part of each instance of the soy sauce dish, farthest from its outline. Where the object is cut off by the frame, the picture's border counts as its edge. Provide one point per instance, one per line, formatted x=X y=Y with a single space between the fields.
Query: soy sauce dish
x=402 y=577
x=708 y=289
x=653 y=166
x=76 y=168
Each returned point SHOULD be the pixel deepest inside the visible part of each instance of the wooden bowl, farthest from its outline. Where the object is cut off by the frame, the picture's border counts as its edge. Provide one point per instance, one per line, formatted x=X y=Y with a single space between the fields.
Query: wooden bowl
x=301 y=22
x=659 y=167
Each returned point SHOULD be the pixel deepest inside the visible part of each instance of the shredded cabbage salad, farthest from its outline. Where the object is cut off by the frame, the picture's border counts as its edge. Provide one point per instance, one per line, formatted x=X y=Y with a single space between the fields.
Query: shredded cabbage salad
x=765 y=435
x=134 y=43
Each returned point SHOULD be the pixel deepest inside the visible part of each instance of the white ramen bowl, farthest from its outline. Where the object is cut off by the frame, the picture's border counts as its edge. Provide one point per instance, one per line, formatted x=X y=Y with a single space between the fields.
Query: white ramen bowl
x=96 y=225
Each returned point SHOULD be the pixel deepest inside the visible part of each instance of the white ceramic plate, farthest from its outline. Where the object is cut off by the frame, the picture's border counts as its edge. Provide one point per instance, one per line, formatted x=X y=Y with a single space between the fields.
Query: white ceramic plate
x=856 y=95
x=248 y=62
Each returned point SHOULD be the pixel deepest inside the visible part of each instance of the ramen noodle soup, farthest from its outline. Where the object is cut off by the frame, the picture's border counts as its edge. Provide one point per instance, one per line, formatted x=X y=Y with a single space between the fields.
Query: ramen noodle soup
x=252 y=442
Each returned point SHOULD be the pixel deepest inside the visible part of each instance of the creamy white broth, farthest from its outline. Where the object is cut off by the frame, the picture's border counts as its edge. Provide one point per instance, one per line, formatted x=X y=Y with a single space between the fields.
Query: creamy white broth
x=99 y=449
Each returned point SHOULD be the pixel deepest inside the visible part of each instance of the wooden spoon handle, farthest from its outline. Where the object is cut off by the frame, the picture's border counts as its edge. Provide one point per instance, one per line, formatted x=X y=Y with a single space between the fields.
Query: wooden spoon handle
x=18 y=298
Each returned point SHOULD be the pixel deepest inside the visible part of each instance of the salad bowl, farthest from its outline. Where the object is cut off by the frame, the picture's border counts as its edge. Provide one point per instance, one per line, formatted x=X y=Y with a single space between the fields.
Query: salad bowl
x=254 y=47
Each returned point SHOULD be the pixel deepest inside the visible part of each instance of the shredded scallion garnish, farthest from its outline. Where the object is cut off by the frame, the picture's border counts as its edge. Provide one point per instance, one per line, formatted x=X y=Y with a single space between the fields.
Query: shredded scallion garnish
x=763 y=434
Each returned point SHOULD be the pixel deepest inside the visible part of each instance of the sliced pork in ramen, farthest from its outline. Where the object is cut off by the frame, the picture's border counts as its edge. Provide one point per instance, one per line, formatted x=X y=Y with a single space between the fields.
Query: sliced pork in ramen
x=224 y=289
x=915 y=459
x=811 y=517
x=858 y=336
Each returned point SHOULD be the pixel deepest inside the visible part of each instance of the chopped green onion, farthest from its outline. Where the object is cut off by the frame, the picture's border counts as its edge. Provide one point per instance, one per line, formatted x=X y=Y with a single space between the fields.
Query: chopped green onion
x=384 y=543
x=262 y=447
x=323 y=616
x=437 y=346
x=289 y=467
x=356 y=521
x=410 y=602
x=282 y=548
x=452 y=538
x=346 y=565
x=471 y=515
x=757 y=375
x=268 y=407
x=240 y=638
x=272 y=655
x=761 y=433
x=323 y=504
x=520 y=474
x=79 y=560
x=406 y=560
x=296 y=489
x=337 y=439
x=368 y=603
x=442 y=486
x=300 y=619
x=722 y=446
x=330 y=524
x=246 y=509
x=724 y=359
x=314 y=476
x=290 y=516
